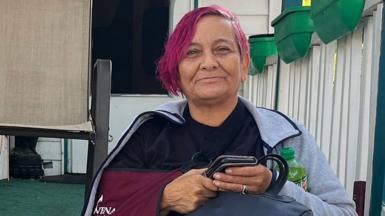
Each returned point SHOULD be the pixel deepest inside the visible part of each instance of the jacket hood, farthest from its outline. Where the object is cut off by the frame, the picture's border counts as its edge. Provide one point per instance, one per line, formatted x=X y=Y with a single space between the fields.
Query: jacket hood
x=273 y=126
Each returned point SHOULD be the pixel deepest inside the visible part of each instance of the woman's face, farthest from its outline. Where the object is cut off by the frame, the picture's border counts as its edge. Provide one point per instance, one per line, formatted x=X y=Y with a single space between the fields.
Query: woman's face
x=212 y=68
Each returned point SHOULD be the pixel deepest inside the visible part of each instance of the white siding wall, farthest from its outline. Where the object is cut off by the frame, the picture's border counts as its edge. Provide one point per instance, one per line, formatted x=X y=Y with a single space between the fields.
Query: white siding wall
x=255 y=16
x=260 y=89
x=51 y=151
x=333 y=91
x=178 y=8
x=4 y=157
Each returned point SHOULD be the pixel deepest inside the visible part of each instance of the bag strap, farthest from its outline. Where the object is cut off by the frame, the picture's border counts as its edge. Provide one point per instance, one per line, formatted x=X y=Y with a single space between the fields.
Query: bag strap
x=276 y=184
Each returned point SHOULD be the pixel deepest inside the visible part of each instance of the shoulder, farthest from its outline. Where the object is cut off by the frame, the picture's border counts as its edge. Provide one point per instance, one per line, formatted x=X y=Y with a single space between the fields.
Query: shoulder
x=153 y=124
x=266 y=117
x=273 y=126
x=274 y=114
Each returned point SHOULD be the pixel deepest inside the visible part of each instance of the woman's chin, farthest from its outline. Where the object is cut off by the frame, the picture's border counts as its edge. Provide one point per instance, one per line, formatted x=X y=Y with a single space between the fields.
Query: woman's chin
x=214 y=96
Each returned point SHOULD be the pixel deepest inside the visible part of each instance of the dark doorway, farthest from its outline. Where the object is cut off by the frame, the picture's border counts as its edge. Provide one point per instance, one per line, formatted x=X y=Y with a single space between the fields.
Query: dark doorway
x=132 y=35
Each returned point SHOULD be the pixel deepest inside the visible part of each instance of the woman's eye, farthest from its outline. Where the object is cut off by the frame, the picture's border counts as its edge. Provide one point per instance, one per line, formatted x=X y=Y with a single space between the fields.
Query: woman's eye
x=192 y=52
x=223 y=49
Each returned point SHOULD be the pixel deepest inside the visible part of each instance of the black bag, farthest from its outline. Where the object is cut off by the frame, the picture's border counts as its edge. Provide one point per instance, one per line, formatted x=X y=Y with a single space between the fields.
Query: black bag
x=266 y=204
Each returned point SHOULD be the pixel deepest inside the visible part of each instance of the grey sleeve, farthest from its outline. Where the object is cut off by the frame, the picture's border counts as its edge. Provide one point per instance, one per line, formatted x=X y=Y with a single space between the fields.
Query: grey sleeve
x=327 y=196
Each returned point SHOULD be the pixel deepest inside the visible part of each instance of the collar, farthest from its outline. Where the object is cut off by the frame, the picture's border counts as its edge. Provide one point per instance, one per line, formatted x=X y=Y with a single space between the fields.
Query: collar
x=273 y=126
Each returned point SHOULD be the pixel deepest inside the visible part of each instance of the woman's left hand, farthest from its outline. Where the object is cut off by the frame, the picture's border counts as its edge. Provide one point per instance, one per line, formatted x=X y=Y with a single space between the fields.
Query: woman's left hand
x=255 y=179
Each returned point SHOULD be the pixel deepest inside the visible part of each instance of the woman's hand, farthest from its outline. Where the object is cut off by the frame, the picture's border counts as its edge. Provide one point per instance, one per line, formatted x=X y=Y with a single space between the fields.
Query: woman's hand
x=256 y=179
x=187 y=192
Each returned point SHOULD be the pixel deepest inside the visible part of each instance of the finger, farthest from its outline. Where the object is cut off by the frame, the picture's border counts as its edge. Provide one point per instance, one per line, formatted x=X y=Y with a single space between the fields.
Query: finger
x=237 y=179
x=208 y=184
x=258 y=183
x=246 y=171
x=225 y=186
x=209 y=194
x=228 y=186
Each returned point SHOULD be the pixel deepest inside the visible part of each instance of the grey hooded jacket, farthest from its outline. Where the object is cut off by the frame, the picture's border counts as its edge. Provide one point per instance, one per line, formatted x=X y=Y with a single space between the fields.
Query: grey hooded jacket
x=327 y=196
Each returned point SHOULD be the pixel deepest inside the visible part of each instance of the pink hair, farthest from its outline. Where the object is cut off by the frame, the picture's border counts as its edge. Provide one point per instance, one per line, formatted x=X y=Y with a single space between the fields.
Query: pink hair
x=180 y=39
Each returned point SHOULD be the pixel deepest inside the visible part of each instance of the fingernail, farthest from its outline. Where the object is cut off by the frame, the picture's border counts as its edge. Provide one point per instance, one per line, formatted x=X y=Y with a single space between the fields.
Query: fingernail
x=217 y=176
x=228 y=170
x=216 y=183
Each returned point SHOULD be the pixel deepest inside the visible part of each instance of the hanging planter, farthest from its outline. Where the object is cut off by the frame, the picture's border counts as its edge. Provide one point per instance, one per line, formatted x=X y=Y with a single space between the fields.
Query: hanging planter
x=261 y=46
x=293 y=31
x=334 y=18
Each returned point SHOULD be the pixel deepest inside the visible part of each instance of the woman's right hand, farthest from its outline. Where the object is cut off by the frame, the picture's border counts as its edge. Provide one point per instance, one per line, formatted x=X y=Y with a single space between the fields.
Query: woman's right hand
x=187 y=192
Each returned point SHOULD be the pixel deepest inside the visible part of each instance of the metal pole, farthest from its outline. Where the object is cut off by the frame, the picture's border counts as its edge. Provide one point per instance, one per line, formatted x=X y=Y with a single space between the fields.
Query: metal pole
x=377 y=195
x=100 y=112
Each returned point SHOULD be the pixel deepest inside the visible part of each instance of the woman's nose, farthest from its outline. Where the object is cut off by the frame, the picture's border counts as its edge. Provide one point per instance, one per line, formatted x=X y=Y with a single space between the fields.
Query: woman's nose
x=209 y=62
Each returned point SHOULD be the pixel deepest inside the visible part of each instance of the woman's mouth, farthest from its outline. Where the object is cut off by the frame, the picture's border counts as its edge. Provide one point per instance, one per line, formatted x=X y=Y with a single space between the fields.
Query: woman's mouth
x=211 y=79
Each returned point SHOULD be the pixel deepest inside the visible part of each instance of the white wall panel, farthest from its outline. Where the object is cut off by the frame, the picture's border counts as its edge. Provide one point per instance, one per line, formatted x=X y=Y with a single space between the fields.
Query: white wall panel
x=274 y=12
x=371 y=4
x=4 y=157
x=327 y=98
x=178 y=8
x=284 y=85
x=257 y=24
x=243 y=7
x=352 y=143
x=51 y=151
x=314 y=77
x=383 y=210
x=253 y=15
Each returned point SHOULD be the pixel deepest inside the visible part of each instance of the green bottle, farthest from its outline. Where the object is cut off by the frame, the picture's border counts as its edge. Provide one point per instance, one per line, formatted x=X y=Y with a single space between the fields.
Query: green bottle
x=297 y=172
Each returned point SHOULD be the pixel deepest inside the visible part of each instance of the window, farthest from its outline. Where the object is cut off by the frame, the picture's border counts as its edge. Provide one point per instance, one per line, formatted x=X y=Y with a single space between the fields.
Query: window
x=132 y=35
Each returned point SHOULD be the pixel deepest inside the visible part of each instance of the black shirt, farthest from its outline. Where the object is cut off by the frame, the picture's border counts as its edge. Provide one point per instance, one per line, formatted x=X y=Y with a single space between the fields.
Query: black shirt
x=163 y=145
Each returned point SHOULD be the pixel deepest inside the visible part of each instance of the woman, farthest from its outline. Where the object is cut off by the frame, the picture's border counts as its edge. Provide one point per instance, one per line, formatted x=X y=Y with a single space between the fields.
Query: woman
x=156 y=166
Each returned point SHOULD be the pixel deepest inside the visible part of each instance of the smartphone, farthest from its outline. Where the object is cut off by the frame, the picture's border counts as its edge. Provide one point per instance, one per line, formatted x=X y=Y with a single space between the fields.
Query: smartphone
x=224 y=161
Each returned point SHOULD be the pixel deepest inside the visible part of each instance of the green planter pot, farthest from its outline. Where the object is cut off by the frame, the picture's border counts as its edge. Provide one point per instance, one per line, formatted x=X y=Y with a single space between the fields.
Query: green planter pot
x=333 y=18
x=293 y=31
x=261 y=47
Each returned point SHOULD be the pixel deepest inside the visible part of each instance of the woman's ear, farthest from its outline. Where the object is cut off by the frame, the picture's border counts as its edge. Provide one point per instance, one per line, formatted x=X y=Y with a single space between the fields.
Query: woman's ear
x=245 y=67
